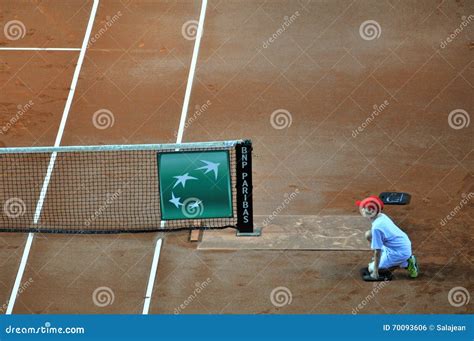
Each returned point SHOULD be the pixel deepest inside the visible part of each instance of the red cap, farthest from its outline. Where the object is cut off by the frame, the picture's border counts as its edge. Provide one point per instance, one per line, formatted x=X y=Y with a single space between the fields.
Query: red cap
x=373 y=200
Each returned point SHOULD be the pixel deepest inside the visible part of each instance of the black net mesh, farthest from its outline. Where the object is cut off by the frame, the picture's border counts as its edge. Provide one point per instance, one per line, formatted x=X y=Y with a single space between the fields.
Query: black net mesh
x=92 y=192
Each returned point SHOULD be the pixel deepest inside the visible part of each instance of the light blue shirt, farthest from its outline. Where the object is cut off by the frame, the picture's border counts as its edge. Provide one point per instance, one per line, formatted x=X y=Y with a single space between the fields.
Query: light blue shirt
x=386 y=234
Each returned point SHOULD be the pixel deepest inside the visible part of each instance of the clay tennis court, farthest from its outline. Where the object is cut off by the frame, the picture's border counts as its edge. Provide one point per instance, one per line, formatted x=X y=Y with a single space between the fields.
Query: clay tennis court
x=298 y=78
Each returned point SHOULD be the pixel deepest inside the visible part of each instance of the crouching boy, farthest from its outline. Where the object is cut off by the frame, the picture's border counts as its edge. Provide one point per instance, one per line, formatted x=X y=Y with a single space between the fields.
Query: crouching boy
x=392 y=247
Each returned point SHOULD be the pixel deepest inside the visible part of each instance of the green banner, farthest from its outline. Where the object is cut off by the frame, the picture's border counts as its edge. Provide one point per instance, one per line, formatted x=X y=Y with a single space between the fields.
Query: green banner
x=195 y=185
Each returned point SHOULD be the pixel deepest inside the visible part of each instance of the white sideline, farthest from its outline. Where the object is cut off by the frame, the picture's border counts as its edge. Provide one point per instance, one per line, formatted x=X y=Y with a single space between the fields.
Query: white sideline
x=75 y=78
x=59 y=136
x=19 y=276
x=179 y=138
x=40 y=49
x=151 y=280
x=192 y=71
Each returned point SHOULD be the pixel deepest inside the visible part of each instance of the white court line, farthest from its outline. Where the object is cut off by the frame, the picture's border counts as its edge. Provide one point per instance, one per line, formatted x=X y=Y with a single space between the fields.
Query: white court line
x=75 y=78
x=19 y=276
x=151 y=280
x=192 y=71
x=40 y=49
x=184 y=113
x=44 y=189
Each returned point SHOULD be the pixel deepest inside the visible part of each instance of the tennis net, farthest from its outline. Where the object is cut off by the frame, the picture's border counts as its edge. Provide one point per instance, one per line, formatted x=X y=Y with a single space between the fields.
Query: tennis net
x=126 y=188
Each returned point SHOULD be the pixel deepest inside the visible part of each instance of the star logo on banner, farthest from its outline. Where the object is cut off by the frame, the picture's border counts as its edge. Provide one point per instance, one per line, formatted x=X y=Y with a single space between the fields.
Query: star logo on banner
x=195 y=185
x=210 y=167
x=182 y=179
x=195 y=204
x=175 y=201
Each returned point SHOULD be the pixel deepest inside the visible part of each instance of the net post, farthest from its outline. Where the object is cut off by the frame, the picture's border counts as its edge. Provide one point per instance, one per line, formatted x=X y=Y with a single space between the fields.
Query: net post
x=244 y=188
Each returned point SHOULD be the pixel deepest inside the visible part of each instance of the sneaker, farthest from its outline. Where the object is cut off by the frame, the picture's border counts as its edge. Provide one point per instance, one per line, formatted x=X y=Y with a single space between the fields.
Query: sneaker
x=413 y=269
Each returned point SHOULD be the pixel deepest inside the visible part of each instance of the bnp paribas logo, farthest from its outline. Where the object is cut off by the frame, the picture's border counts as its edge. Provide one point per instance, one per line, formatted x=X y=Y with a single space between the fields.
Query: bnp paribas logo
x=195 y=185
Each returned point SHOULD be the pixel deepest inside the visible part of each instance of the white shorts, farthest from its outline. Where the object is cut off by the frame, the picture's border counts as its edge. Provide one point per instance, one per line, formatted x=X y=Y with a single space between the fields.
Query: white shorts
x=390 y=259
